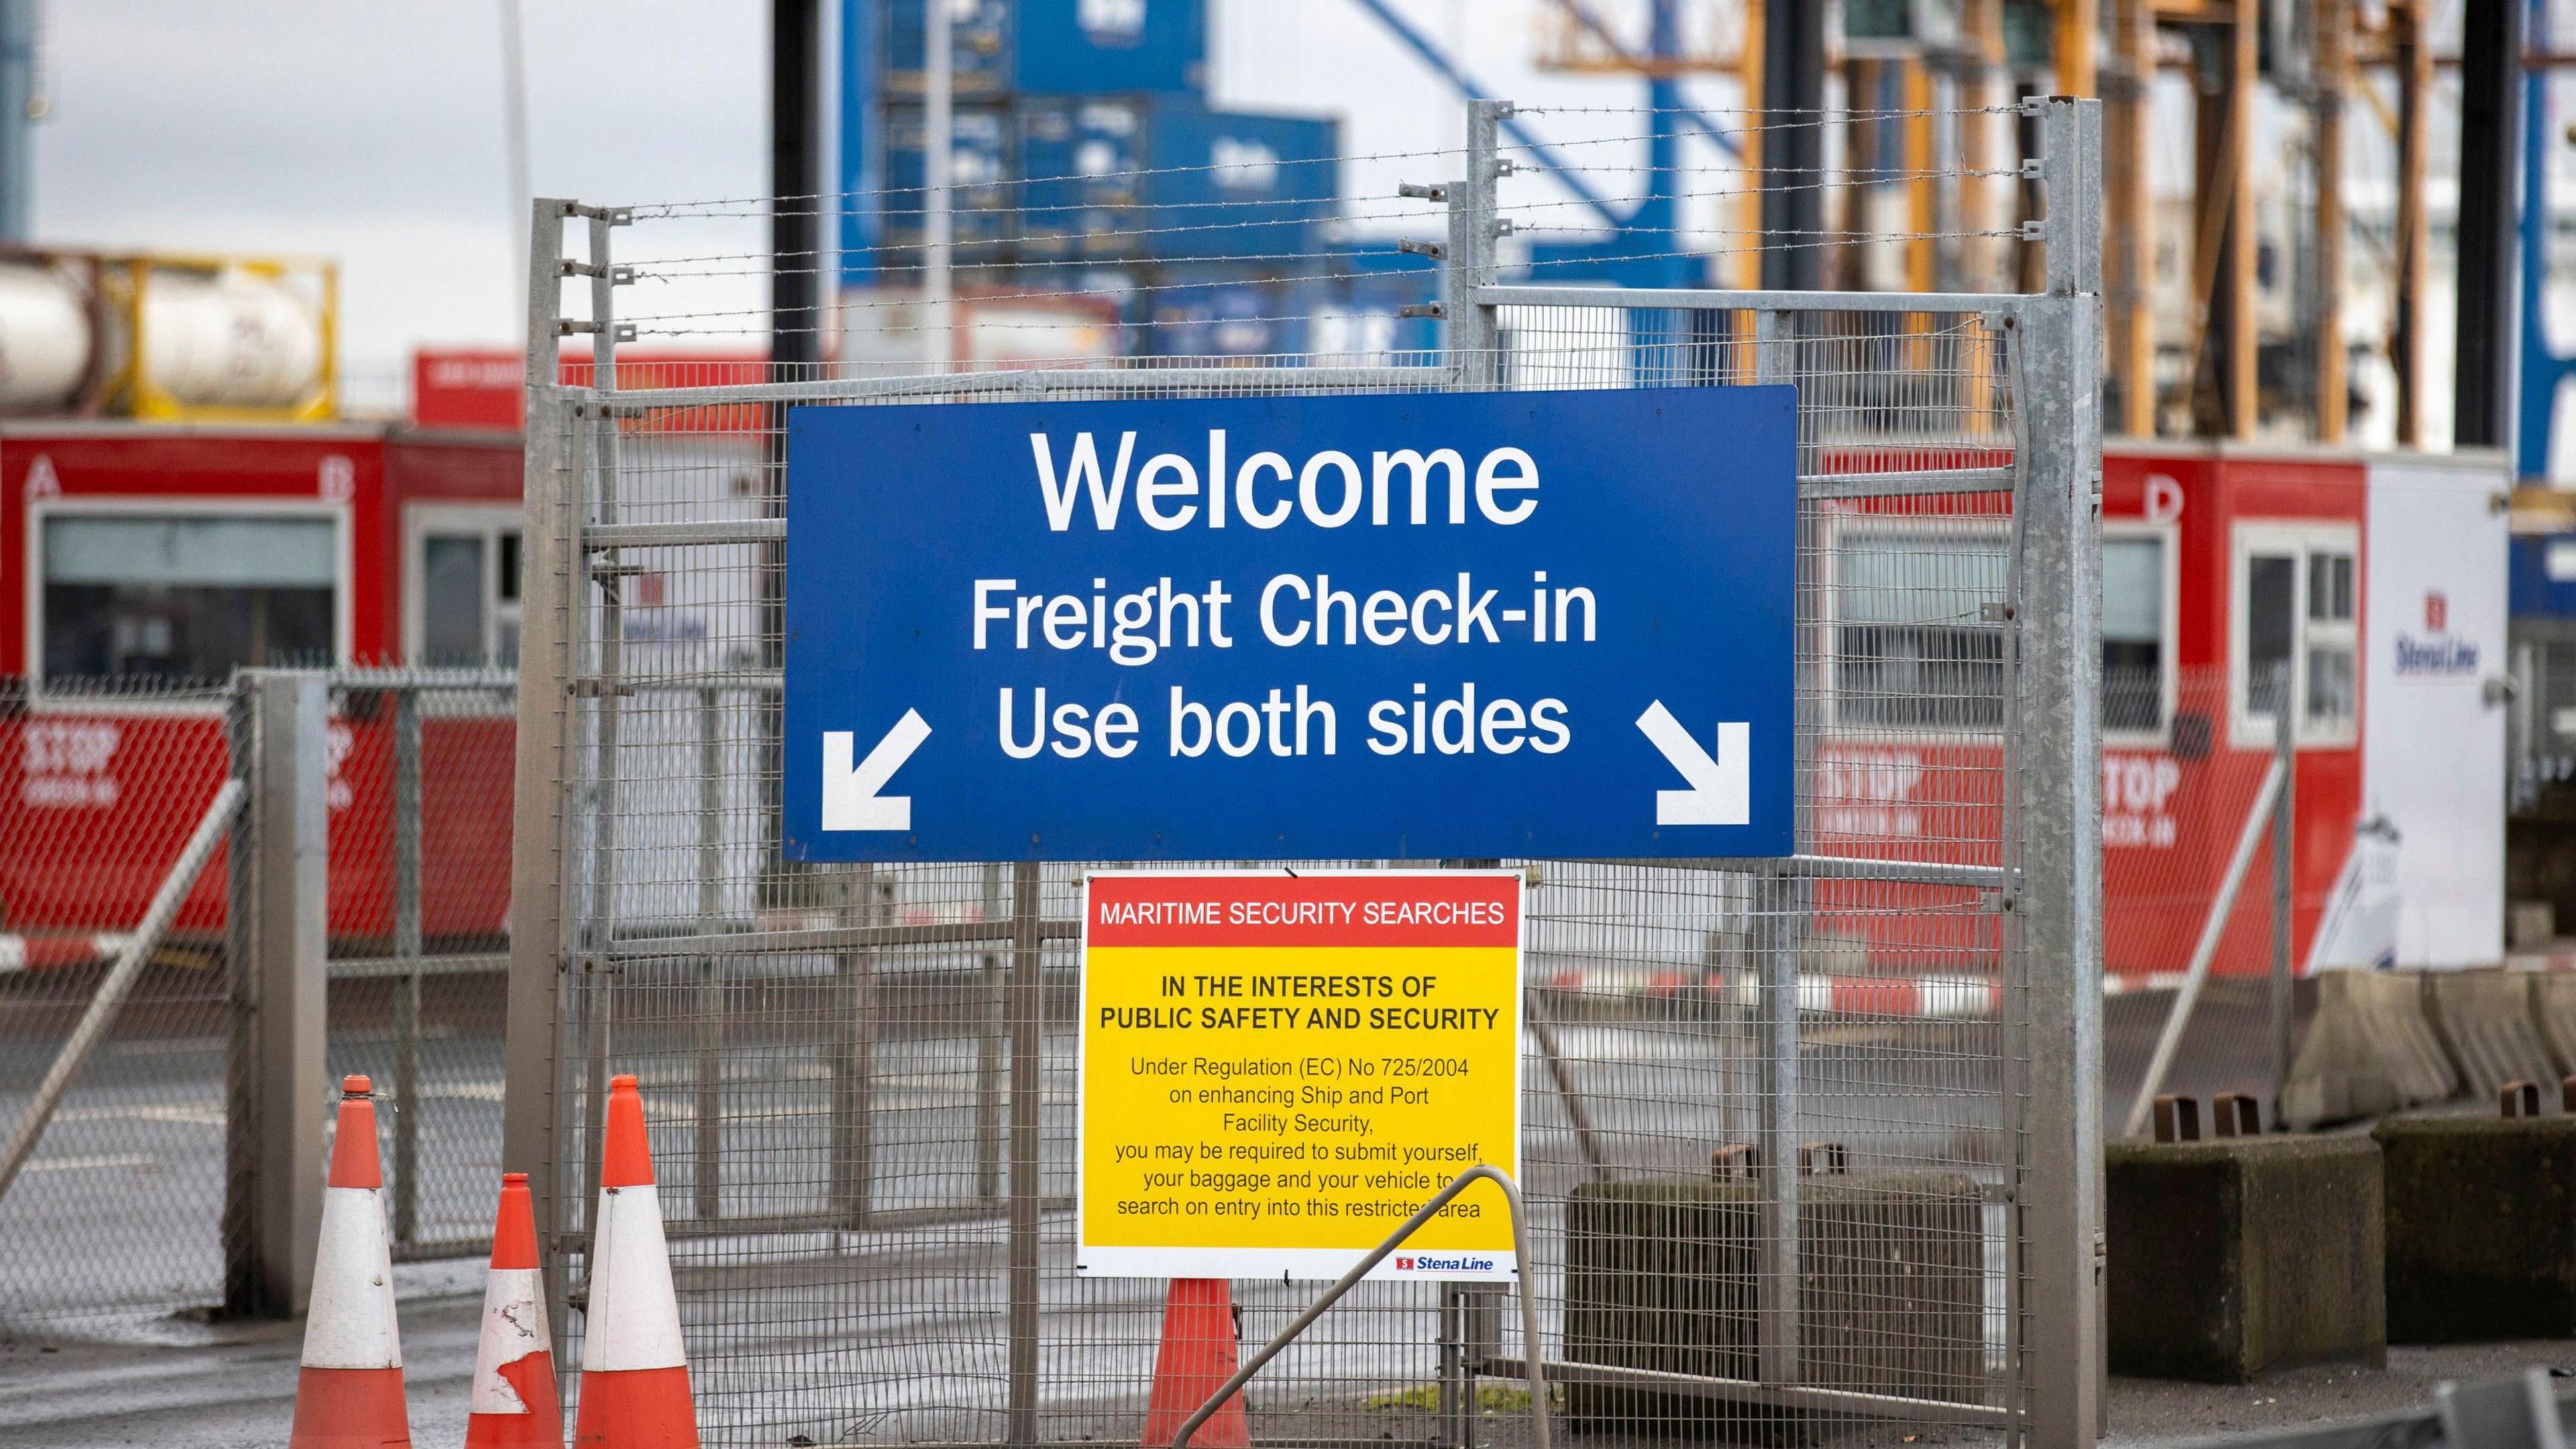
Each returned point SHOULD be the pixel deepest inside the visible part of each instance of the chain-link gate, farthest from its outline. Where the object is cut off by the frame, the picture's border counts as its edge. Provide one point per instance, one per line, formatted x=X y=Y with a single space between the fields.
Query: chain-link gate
x=1811 y=1142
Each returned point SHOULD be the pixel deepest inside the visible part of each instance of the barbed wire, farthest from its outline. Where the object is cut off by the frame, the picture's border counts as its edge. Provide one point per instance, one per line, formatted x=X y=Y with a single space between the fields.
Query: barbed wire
x=1823 y=115
x=659 y=268
x=688 y=268
x=1847 y=174
x=757 y=319
x=689 y=210
x=675 y=209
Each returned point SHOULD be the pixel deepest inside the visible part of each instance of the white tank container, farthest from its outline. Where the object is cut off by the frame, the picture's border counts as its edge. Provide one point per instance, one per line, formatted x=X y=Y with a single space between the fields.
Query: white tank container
x=229 y=340
x=45 y=339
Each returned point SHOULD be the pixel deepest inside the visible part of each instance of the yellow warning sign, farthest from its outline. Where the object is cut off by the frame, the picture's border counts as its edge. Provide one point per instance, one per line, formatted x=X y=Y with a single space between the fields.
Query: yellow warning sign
x=1278 y=1070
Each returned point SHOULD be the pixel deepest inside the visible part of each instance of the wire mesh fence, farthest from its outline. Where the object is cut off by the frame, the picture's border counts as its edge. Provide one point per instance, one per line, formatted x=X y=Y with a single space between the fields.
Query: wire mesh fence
x=862 y=1081
x=116 y=1213
x=2189 y=890
x=120 y=1211
x=419 y=902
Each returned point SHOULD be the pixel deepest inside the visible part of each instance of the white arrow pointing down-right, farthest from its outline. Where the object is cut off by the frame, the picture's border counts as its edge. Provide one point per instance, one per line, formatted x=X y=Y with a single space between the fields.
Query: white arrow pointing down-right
x=850 y=798
x=1721 y=789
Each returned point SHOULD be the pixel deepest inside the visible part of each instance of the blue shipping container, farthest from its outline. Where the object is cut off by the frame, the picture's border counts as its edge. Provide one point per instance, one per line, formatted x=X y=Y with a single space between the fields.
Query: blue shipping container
x=1156 y=178
x=1079 y=46
x=1078 y=164
x=1229 y=184
x=982 y=207
x=1111 y=45
x=979 y=45
x=2542 y=576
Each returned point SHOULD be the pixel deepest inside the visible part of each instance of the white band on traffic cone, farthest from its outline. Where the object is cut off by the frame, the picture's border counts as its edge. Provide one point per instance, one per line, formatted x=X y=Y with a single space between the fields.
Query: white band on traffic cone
x=350 y=1324
x=634 y=1318
x=514 y=1326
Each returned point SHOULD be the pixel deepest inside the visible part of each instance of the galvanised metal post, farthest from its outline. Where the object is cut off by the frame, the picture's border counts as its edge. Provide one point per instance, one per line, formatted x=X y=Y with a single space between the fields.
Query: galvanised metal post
x=607 y=573
x=853 y=1049
x=279 y=929
x=1028 y=998
x=1776 y=1034
x=1469 y=258
x=2057 y=846
x=706 y=1180
x=530 y=1116
x=2285 y=814
x=992 y=1012
x=407 y=948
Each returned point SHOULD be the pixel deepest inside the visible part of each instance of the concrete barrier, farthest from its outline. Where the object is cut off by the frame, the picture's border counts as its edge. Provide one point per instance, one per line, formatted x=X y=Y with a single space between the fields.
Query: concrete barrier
x=2481 y=1227
x=2553 y=1010
x=2371 y=1049
x=2485 y=1021
x=2217 y=1269
x=1663 y=1276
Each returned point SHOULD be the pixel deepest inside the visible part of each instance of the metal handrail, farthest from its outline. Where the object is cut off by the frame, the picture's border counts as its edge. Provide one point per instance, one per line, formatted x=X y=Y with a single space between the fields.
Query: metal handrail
x=1359 y=1270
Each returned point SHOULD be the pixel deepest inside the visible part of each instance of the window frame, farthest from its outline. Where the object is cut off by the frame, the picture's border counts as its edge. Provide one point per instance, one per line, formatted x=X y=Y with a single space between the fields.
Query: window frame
x=2169 y=632
x=1840 y=528
x=2305 y=540
x=42 y=511
x=487 y=521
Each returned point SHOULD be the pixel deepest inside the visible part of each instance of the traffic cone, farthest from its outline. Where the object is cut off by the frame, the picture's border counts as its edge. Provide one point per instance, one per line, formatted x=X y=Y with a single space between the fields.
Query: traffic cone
x=514 y=1404
x=634 y=1374
x=350 y=1393
x=1196 y=1359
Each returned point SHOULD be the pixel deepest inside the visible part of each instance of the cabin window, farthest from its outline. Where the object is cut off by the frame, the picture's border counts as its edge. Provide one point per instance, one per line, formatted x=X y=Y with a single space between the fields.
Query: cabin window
x=465 y=588
x=2295 y=626
x=181 y=596
x=2137 y=651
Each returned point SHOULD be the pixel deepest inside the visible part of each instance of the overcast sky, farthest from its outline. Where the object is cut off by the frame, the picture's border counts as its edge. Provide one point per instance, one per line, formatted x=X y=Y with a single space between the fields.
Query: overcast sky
x=372 y=133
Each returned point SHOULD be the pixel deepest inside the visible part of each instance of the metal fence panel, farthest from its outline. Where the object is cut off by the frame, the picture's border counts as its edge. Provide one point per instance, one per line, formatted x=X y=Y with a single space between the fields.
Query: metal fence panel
x=861 y=1080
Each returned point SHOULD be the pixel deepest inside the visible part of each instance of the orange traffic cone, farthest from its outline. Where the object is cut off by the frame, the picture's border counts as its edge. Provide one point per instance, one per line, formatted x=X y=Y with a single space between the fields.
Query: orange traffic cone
x=514 y=1404
x=634 y=1374
x=350 y=1393
x=1196 y=1359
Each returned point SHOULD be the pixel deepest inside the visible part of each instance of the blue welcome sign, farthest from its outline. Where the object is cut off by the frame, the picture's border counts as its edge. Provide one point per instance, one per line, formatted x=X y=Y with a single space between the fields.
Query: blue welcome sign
x=1395 y=625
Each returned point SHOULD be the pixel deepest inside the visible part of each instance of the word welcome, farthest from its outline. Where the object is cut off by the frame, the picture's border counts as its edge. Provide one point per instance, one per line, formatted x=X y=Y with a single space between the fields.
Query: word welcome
x=1329 y=488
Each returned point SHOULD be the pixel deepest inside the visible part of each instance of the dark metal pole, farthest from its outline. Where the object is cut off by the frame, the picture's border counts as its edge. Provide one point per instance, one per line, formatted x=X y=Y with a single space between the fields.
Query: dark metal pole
x=1793 y=144
x=795 y=42
x=795 y=48
x=2490 y=77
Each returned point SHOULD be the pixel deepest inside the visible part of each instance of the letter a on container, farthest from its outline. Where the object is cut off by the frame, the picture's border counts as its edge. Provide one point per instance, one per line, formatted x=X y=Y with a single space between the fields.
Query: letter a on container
x=514 y=1404
x=634 y=1374
x=349 y=1394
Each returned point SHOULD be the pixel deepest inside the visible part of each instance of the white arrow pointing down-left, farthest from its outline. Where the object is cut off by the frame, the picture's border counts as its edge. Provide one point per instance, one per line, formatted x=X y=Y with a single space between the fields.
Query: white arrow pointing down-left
x=850 y=798
x=1721 y=789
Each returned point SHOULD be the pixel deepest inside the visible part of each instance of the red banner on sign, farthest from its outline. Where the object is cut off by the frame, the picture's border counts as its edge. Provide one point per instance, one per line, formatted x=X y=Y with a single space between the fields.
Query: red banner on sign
x=1279 y=910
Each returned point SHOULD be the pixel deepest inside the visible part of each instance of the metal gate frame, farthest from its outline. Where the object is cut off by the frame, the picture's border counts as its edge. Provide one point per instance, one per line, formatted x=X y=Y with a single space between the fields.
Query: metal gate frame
x=2048 y=885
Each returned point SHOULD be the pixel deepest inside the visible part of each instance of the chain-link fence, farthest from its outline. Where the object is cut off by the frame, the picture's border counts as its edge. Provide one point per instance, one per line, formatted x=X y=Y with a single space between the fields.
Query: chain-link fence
x=2189 y=890
x=861 y=1080
x=117 y=1211
x=120 y=1210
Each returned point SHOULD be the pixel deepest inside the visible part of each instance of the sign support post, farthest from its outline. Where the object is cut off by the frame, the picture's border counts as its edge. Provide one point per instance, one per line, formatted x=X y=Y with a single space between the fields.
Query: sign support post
x=1027 y=999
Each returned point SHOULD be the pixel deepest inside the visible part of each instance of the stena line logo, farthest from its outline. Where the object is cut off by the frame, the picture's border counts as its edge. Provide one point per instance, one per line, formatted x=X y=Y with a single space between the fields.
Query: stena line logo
x=2437 y=653
x=1443 y=1263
